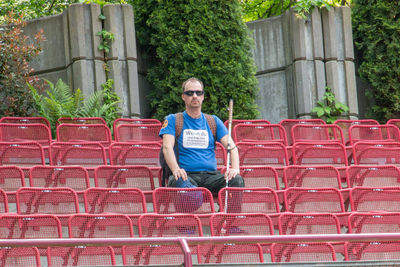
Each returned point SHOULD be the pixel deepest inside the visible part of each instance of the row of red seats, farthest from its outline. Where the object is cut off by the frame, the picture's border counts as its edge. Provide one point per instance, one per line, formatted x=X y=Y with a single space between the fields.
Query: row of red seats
x=203 y=254
x=90 y=154
x=287 y=132
x=12 y=177
x=199 y=201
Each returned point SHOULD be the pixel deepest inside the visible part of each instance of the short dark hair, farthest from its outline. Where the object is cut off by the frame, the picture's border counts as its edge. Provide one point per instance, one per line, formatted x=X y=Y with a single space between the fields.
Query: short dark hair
x=191 y=80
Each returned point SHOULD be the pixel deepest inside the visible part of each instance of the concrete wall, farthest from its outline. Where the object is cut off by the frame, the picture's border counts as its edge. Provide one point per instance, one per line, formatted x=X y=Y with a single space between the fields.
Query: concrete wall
x=297 y=58
x=71 y=52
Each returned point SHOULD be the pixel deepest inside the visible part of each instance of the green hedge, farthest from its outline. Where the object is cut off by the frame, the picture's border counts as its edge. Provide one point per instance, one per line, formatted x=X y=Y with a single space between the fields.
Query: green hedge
x=376 y=27
x=203 y=38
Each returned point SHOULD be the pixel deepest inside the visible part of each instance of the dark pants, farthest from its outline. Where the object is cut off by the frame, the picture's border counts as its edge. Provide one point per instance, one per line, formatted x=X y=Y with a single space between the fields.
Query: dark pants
x=213 y=181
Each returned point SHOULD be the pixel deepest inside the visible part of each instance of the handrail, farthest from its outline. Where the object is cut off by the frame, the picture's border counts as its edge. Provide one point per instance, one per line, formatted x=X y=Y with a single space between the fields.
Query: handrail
x=185 y=241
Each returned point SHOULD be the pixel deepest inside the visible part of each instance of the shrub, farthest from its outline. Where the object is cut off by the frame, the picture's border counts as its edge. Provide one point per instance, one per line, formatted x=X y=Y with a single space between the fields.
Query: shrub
x=376 y=33
x=206 y=39
x=16 y=50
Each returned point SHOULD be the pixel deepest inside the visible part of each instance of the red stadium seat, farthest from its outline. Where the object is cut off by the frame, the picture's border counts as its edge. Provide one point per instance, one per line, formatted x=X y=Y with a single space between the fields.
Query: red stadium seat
x=237 y=121
x=11 y=179
x=317 y=133
x=317 y=200
x=273 y=155
x=82 y=120
x=137 y=132
x=368 y=199
x=259 y=133
x=88 y=155
x=61 y=202
x=32 y=226
x=372 y=251
x=169 y=200
x=27 y=120
x=128 y=201
x=23 y=154
x=373 y=175
x=161 y=225
x=3 y=202
x=374 y=222
x=100 y=226
x=75 y=177
x=228 y=224
x=98 y=133
x=376 y=153
x=81 y=256
x=220 y=154
x=152 y=254
x=260 y=176
x=138 y=153
x=120 y=121
x=303 y=252
x=312 y=154
x=346 y=124
x=232 y=252
x=124 y=177
x=35 y=132
x=308 y=223
x=315 y=176
x=376 y=133
x=19 y=256
x=289 y=123
x=249 y=200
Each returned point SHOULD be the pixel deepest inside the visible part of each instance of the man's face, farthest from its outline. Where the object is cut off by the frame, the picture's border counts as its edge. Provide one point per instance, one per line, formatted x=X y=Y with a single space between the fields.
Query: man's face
x=194 y=100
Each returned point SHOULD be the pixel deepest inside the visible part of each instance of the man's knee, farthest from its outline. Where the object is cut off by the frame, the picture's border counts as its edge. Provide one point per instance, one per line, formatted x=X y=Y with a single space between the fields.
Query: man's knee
x=237 y=181
x=171 y=181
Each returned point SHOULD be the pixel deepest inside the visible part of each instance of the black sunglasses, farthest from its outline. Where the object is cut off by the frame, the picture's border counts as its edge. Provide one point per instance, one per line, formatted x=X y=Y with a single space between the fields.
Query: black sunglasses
x=191 y=93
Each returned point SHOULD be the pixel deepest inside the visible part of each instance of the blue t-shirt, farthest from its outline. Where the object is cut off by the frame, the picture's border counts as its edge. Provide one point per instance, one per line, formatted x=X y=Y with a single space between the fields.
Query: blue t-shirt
x=196 y=142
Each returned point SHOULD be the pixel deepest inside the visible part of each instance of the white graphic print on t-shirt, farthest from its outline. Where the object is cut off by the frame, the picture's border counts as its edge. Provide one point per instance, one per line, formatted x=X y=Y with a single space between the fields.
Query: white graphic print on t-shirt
x=195 y=138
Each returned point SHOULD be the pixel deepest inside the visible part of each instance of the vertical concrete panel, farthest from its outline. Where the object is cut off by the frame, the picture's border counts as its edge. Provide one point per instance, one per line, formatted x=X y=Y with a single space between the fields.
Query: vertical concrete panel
x=336 y=80
x=317 y=35
x=320 y=79
x=123 y=63
x=114 y=23
x=332 y=75
x=118 y=72
x=83 y=26
x=351 y=87
x=298 y=37
x=269 y=43
x=55 y=50
x=83 y=76
x=138 y=103
x=273 y=96
x=304 y=86
x=330 y=38
x=347 y=34
x=129 y=32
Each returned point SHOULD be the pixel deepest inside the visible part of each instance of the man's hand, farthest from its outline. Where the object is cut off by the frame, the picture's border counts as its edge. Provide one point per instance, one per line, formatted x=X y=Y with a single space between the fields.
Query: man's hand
x=180 y=173
x=231 y=173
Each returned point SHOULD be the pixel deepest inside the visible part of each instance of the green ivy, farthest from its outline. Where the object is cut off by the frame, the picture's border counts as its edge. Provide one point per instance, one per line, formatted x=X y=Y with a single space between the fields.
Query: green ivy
x=205 y=39
x=376 y=27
